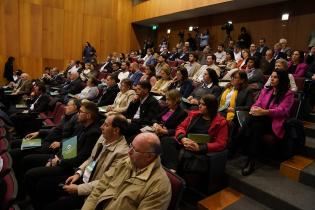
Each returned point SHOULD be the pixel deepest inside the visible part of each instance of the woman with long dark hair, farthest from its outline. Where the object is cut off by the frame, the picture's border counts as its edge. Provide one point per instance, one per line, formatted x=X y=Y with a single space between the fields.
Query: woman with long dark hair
x=296 y=66
x=181 y=82
x=205 y=121
x=267 y=116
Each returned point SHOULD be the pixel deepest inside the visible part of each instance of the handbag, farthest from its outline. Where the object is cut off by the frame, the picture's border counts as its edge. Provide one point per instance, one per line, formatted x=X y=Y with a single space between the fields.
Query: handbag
x=191 y=162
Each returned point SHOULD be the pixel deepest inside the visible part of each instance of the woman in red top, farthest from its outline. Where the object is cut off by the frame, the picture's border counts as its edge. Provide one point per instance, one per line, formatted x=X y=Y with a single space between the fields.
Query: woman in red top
x=206 y=120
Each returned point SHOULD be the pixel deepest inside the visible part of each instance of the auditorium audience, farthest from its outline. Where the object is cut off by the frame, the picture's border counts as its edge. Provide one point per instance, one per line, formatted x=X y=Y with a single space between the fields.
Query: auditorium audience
x=170 y=117
x=220 y=54
x=149 y=75
x=124 y=73
x=181 y=82
x=135 y=73
x=192 y=66
x=149 y=58
x=210 y=85
x=110 y=148
x=254 y=75
x=161 y=86
x=142 y=110
x=283 y=64
x=110 y=91
x=238 y=96
x=198 y=77
x=262 y=48
x=204 y=121
x=161 y=64
x=90 y=91
x=267 y=62
x=39 y=167
x=73 y=85
x=284 y=48
x=123 y=98
x=229 y=62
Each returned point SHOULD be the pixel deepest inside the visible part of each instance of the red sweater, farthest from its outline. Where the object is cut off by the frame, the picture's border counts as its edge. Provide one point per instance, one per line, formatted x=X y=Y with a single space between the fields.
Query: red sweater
x=218 y=130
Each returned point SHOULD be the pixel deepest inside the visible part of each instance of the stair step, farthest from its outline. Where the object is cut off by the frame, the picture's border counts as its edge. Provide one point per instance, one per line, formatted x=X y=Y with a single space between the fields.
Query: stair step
x=246 y=203
x=268 y=187
x=308 y=175
x=309 y=147
x=309 y=128
x=292 y=167
x=229 y=199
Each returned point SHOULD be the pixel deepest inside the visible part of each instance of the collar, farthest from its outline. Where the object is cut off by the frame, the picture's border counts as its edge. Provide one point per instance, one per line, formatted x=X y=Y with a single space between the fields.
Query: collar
x=111 y=146
x=145 y=173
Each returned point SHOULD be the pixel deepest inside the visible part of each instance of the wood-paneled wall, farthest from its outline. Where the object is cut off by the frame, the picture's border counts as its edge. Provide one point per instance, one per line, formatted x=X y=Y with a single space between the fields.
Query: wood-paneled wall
x=156 y=8
x=41 y=33
x=263 y=21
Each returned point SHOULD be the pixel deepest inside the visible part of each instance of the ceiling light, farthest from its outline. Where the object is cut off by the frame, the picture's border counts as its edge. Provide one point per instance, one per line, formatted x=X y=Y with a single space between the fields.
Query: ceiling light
x=285 y=16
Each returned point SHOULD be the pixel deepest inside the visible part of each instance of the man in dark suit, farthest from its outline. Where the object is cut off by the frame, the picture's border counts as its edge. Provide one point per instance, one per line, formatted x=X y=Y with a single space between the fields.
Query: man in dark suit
x=110 y=92
x=74 y=86
x=143 y=110
x=262 y=48
x=173 y=55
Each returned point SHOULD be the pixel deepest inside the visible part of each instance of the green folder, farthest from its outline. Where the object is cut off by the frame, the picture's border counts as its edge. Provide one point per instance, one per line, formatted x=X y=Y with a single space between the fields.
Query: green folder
x=31 y=143
x=199 y=138
x=69 y=148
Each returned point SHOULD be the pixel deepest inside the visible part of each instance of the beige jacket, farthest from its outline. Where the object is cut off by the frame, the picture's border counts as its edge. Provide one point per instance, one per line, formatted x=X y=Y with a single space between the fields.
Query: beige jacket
x=108 y=159
x=192 y=68
x=123 y=100
x=161 y=86
x=121 y=188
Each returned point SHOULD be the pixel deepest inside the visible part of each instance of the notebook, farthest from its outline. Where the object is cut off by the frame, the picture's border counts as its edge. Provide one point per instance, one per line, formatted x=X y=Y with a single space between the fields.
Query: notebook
x=102 y=109
x=21 y=106
x=31 y=143
x=199 y=138
x=69 y=148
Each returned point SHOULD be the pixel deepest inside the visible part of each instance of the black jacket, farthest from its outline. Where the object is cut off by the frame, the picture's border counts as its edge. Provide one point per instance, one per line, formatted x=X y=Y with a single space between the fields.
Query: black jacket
x=173 y=121
x=73 y=87
x=86 y=139
x=41 y=105
x=149 y=110
x=185 y=88
x=108 y=96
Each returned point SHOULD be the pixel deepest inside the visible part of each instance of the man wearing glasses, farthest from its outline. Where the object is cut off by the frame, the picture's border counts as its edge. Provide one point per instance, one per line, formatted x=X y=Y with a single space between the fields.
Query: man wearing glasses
x=137 y=182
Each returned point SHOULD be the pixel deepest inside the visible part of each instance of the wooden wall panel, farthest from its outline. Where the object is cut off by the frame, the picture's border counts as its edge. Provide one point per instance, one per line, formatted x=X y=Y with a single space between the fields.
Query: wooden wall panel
x=73 y=29
x=156 y=8
x=41 y=33
x=261 y=21
x=53 y=25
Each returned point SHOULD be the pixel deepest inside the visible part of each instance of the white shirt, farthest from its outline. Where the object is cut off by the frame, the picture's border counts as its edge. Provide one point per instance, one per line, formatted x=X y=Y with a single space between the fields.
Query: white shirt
x=220 y=56
x=237 y=56
x=123 y=75
x=137 y=115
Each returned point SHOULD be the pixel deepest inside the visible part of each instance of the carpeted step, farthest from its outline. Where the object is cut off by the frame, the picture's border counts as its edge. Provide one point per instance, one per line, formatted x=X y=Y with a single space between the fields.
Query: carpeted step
x=307 y=175
x=268 y=187
x=229 y=199
x=309 y=147
x=309 y=128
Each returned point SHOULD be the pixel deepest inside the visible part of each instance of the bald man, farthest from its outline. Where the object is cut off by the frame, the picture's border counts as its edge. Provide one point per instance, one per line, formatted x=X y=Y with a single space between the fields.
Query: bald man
x=137 y=182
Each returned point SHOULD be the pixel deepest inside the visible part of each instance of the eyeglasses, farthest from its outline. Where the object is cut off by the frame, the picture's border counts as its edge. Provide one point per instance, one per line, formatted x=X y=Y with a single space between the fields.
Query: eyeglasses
x=134 y=150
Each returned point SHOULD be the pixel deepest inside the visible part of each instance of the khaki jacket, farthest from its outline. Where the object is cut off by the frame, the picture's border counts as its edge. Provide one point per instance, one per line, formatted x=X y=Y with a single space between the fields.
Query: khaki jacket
x=123 y=100
x=192 y=68
x=124 y=189
x=25 y=88
x=108 y=159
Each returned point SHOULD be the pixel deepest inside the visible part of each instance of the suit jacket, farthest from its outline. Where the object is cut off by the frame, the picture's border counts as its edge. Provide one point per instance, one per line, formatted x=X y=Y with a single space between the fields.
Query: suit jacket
x=300 y=69
x=41 y=105
x=149 y=110
x=262 y=50
x=183 y=56
x=174 y=120
x=25 y=88
x=86 y=139
x=135 y=77
x=107 y=159
x=108 y=96
x=73 y=87
x=244 y=99
x=173 y=56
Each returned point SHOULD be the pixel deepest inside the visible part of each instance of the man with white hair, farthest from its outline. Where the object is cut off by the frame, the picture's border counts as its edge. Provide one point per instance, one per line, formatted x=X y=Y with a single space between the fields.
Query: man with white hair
x=284 y=48
x=137 y=182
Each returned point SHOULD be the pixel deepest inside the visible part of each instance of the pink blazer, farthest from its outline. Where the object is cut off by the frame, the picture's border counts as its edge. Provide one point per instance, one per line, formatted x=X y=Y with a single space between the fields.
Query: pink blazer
x=278 y=112
x=300 y=69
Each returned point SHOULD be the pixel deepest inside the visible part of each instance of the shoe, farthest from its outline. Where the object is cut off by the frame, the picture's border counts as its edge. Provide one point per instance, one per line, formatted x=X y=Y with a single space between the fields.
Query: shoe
x=249 y=167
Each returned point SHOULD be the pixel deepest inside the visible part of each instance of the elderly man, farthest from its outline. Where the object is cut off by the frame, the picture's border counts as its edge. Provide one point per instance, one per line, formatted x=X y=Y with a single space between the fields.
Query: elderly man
x=198 y=77
x=137 y=182
x=73 y=86
x=108 y=150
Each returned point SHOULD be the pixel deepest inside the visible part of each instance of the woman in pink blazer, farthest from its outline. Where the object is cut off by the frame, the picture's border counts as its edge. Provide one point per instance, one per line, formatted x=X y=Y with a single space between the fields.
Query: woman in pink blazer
x=296 y=66
x=268 y=115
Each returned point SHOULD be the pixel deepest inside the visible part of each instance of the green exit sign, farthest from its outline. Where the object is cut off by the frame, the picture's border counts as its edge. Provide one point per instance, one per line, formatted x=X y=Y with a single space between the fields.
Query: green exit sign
x=154 y=27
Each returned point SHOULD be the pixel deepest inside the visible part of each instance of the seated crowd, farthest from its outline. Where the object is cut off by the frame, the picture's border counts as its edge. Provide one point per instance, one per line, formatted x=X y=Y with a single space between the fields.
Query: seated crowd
x=130 y=116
